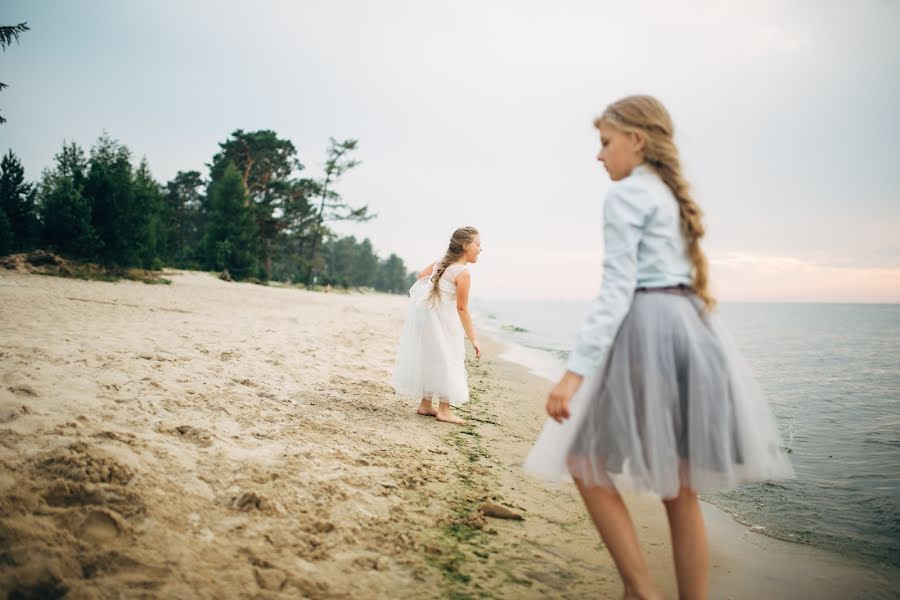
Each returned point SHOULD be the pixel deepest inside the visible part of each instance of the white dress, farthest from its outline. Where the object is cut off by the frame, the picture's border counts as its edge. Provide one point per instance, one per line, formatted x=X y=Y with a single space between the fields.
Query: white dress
x=431 y=354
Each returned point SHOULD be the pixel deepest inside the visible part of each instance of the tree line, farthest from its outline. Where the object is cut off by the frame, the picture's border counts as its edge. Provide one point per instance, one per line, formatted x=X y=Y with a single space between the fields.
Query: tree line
x=255 y=215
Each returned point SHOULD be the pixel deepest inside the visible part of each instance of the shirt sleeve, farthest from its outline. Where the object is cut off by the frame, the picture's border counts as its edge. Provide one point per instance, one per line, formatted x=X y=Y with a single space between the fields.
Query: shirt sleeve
x=624 y=215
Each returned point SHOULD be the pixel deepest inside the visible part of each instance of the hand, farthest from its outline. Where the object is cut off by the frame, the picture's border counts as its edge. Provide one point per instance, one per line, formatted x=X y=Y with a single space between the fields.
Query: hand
x=477 y=348
x=562 y=392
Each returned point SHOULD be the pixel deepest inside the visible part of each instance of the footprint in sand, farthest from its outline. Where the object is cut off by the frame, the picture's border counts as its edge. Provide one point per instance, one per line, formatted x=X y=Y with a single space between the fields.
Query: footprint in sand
x=11 y=414
x=197 y=435
x=270 y=579
x=250 y=501
x=23 y=390
x=123 y=437
x=65 y=493
x=101 y=526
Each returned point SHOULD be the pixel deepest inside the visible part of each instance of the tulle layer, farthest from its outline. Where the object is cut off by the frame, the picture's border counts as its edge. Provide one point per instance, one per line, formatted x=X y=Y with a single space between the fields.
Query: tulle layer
x=431 y=354
x=674 y=405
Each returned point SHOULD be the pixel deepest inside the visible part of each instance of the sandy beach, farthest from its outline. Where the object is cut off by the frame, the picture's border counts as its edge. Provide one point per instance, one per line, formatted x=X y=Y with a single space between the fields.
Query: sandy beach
x=207 y=439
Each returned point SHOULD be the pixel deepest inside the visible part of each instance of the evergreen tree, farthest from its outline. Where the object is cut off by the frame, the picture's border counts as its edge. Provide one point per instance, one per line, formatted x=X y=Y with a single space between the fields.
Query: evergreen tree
x=231 y=230
x=65 y=211
x=18 y=200
x=340 y=254
x=149 y=199
x=330 y=205
x=8 y=33
x=265 y=164
x=365 y=267
x=184 y=205
x=290 y=259
x=392 y=276
x=349 y=263
x=119 y=220
x=6 y=237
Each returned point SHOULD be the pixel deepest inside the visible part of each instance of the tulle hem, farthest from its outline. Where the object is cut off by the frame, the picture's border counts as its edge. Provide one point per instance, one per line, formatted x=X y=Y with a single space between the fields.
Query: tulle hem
x=673 y=406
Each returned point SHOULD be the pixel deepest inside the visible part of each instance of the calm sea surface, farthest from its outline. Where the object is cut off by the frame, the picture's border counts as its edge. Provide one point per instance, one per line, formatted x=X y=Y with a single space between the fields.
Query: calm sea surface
x=832 y=375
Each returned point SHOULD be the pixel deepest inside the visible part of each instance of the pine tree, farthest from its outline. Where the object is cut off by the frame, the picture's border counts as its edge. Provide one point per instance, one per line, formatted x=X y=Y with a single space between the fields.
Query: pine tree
x=290 y=259
x=184 y=204
x=365 y=267
x=18 y=200
x=392 y=276
x=231 y=231
x=6 y=237
x=120 y=218
x=265 y=163
x=8 y=33
x=149 y=200
x=329 y=206
x=65 y=212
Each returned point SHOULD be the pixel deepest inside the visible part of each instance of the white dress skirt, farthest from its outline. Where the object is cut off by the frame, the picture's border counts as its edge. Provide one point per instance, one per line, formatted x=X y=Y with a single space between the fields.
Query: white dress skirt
x=431 y=355
x=674 y=405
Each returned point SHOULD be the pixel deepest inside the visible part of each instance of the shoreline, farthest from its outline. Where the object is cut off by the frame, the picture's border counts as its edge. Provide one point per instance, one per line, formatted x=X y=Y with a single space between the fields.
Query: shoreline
x=772 y=566
x=223 y=440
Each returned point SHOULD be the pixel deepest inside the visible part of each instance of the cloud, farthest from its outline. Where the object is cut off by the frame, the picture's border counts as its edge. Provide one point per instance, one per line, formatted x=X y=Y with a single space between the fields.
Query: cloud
x=744 y=276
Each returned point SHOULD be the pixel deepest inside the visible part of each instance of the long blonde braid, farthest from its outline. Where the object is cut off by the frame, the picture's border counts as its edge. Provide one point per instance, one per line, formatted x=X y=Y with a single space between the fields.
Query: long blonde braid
x=458 y=242
x=648 y=116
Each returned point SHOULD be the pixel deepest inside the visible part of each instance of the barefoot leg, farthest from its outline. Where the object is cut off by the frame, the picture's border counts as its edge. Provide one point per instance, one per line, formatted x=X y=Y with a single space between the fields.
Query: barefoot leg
x=426 y=408
x=689 y=544
x=443 y=414
x=611 y=518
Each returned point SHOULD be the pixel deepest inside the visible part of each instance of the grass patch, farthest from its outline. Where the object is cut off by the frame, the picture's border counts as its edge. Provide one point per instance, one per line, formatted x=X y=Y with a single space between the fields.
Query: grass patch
x=41 y=262
x=462 y=545
x=92 y=272
x=518 y=580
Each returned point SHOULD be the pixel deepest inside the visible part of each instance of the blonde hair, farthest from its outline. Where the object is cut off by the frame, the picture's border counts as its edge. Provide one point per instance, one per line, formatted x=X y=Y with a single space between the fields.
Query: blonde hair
x=458 y=242
x=648 y=117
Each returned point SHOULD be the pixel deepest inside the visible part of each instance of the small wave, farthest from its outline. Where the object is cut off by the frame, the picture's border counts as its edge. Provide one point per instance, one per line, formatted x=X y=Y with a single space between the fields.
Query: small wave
x=562 y=355
x=513 y=328
x=886 y=435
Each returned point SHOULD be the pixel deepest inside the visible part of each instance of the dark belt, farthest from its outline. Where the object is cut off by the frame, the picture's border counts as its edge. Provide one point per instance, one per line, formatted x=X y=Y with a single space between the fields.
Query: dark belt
x=680 y=289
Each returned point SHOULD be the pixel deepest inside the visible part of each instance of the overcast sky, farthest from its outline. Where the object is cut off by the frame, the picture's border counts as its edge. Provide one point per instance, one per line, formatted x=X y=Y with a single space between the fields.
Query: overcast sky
x=479 y=113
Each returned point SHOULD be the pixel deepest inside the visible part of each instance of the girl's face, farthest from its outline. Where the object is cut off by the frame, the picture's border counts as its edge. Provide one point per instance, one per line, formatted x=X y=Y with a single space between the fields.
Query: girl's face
x=473 y=249
x=620 y=152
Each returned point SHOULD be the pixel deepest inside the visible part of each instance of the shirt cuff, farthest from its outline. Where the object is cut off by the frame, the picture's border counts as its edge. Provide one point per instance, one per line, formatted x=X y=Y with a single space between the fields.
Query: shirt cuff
x=581 y=365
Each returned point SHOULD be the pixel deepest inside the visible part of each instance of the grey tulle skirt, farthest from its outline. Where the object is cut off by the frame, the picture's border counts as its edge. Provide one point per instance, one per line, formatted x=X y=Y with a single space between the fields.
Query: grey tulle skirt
x=673 y=406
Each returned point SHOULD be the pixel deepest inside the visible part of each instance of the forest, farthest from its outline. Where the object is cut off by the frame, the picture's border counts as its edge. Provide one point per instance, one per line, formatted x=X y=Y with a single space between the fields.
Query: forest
x=255 y=215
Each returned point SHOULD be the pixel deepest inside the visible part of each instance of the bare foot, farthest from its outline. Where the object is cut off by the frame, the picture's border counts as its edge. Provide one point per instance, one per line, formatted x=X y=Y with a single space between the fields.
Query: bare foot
x=426 y=408
x=448 y=418
x=651 y=594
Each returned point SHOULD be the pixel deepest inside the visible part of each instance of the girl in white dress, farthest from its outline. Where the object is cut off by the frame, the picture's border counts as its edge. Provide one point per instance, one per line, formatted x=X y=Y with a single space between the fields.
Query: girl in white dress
x=656 y=398
x=431 y=356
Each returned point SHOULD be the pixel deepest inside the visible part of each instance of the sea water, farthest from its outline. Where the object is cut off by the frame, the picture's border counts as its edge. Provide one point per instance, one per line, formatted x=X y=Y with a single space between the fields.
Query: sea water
x=831 y=373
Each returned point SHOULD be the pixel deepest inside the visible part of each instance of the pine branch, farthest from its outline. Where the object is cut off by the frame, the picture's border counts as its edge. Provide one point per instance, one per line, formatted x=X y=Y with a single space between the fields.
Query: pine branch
x=8 y=33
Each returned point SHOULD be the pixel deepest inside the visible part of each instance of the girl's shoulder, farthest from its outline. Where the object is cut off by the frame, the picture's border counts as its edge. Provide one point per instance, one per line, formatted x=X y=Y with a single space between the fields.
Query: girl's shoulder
x=642 y=190
x=455 y=270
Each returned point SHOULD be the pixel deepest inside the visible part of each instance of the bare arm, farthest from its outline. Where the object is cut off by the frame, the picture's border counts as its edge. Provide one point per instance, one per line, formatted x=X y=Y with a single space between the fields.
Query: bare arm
x=426 y=272
x=463 y=283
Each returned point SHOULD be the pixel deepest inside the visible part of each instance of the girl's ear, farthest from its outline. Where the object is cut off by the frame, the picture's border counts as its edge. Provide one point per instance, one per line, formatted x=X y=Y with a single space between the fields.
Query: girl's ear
x=638 y=141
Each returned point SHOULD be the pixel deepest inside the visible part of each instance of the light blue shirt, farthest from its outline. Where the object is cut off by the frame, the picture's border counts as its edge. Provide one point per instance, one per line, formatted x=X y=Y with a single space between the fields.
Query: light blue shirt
x=642 y=247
